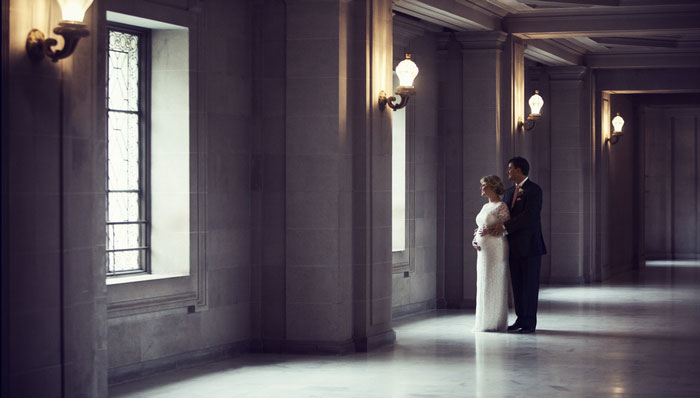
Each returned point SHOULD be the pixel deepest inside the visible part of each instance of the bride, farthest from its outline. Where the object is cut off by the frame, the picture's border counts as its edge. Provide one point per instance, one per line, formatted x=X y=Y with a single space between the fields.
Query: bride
x=492 y=274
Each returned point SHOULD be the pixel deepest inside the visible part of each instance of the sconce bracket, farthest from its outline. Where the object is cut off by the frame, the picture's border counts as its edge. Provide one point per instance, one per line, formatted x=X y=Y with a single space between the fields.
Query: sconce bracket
x=35 y=45
x=38 y=45
x=529 y=124
x=614 y=139
x=404 y=92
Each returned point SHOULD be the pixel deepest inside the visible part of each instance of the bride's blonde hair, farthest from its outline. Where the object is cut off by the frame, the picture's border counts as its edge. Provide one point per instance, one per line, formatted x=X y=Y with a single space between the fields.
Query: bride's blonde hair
x=494 y=183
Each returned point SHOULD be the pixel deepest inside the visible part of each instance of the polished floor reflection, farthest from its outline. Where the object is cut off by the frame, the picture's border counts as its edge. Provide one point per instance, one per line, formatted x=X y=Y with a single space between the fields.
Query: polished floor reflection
x=636 y=335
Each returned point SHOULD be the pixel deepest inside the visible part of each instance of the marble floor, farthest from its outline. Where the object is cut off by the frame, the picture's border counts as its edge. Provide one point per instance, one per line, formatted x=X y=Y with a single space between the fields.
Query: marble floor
x=636 y=335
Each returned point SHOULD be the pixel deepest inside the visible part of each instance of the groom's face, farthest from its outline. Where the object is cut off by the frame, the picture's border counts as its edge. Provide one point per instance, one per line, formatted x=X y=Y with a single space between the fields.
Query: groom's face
x=514 y=174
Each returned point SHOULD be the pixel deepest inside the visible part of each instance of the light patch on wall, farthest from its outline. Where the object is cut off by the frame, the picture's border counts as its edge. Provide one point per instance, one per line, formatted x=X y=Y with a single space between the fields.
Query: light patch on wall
x=398 y=178
x=605 y=116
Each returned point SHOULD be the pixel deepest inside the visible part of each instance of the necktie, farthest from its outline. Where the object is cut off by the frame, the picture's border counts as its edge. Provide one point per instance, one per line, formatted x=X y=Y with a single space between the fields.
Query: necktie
x=515 y=196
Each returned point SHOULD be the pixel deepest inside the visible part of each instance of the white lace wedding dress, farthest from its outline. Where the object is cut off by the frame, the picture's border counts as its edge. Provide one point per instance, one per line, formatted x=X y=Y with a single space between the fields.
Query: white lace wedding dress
x=492 y=274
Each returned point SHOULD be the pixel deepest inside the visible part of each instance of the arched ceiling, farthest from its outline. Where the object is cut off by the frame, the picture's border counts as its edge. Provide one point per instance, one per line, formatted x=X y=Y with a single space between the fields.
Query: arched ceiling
x=597 y=33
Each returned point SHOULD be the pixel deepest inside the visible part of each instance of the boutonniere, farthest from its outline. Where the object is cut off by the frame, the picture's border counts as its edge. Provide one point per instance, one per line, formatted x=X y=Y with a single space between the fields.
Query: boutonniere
x=520 y=192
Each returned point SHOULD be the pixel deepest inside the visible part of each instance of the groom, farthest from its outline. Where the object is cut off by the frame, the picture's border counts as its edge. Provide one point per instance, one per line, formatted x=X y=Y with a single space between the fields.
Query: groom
x=525 y=242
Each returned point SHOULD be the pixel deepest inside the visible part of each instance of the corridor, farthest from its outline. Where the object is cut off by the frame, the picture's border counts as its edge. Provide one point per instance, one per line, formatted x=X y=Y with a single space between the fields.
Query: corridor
x=636 y=335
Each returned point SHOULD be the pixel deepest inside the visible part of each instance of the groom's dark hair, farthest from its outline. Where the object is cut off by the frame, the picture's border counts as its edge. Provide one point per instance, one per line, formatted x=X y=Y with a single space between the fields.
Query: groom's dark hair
x=520 y=163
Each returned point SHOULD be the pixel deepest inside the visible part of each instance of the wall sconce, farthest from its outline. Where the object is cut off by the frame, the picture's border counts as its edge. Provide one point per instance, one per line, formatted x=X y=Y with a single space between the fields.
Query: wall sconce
x=406 y=70
x=536 y=102
x=617 y=123
x=71 y=27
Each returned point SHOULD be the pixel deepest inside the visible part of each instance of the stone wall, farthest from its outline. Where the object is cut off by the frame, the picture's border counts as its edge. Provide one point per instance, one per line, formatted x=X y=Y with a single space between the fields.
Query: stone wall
x=53 y=289
x=414 y=286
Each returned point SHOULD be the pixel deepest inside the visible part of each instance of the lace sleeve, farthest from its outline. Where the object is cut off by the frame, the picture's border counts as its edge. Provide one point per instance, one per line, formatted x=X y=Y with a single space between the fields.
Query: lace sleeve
x=502 y=213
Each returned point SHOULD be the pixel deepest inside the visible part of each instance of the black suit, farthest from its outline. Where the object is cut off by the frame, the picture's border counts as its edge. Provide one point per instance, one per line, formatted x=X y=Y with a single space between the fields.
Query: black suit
x=526 y=247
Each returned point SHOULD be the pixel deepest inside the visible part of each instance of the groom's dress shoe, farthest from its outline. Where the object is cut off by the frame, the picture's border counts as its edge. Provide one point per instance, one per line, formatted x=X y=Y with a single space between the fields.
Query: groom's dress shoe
x=526 y=330
x=513 y=328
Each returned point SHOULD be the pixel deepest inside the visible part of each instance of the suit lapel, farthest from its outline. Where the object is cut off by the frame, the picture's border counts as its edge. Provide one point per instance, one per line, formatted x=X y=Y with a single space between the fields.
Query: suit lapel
x=522 y=190
x=508 y=196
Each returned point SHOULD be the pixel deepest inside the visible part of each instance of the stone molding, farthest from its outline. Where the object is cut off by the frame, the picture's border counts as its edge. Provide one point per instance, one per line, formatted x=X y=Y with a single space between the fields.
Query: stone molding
x=567 y=72
x=486 y=40
x=413 y=308
x=140 y=370
x=318 y=347
x=405 y=29
x=371 y=343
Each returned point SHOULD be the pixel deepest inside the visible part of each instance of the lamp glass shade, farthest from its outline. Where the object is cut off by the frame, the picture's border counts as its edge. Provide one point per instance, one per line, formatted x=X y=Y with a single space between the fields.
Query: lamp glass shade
x=617 y=123
x=406 y=70
x=74 y=10
x=536 y=102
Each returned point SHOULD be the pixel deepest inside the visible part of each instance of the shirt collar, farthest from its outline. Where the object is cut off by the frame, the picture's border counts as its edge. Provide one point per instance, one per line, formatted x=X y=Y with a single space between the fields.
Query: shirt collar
x=522 y=182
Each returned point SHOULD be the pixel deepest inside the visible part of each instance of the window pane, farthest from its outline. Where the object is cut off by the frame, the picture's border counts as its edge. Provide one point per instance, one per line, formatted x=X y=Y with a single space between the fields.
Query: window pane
x=123 y=206
x=123 y=236
x=124 y=261
x=123 y=73
x=123 y=151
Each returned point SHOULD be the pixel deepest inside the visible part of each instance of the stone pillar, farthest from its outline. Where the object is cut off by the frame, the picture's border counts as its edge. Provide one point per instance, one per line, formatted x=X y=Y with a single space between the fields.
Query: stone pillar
x=482 y=74
x=53 y=275
x=572 y=175
x=513 y=141
x=451 y=278
x=536 y=148
x=369 y=129
x=483 y=138
x=338 y=175
x=268 y=200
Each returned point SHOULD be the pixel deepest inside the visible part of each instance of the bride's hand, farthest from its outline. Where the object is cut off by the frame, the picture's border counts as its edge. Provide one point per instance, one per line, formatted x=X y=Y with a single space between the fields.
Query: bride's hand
x=474 y=245
x=497 y=230
x=483 y=230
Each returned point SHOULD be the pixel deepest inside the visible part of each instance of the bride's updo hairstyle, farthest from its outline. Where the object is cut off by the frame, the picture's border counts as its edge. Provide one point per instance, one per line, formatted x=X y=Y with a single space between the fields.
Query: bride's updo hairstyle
x=494 y=183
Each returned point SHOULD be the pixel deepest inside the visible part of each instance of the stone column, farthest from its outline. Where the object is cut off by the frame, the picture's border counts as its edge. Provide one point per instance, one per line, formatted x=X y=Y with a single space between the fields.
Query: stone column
x=369 y=129
x=572 y=175
x=536 y=148
x=483 y=136
x=53 y=187
x=451 y=278
x=513 y=141
x=338 y=175
x=480 y=94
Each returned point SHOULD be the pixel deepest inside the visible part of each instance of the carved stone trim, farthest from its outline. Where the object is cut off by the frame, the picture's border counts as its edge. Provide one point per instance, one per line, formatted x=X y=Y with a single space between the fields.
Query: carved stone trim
x=486 y=40
x=567 y=72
